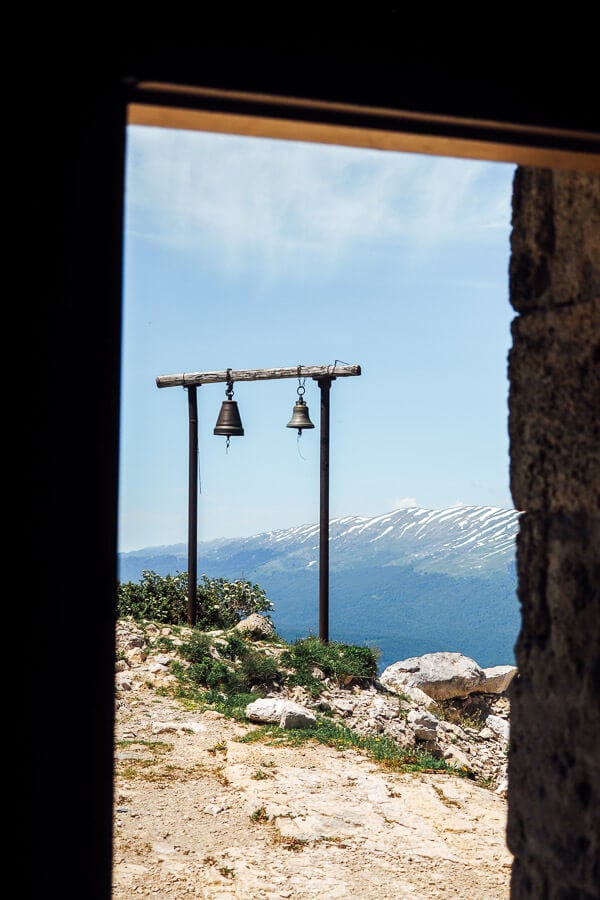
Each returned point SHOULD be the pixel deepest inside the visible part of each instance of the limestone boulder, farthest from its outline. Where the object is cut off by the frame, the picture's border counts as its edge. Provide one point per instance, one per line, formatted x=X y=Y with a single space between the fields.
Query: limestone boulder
x=256 y=626
x=442 y=676
x=497 y=679
x=283 y=713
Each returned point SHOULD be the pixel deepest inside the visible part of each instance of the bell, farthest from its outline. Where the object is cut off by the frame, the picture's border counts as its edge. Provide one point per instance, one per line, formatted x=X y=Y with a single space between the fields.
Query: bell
x=229 y=422
x=300 y=417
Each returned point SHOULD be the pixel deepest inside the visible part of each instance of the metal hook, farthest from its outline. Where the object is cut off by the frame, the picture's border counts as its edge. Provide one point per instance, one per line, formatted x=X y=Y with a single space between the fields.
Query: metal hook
x=300 y=390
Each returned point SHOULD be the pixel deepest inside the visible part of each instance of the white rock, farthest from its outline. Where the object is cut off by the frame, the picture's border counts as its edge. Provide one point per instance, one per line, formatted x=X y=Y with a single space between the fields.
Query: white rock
x=498 y=725
x=418 y=696
x=163 y=727
x=284 y=713
x=161 y=848
x=124 y=681
x=441 y=676
x=502 y=788
x=456 y=757
x=136 y=656
x=163 y=659
x=497 y=679
x=256 y=625
x=156 y=668
x=267 y=709
x=423 y=724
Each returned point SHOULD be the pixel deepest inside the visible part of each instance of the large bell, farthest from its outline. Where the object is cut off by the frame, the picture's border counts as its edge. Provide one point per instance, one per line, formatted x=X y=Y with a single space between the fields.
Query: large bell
x=229 y=422
x=300 y=418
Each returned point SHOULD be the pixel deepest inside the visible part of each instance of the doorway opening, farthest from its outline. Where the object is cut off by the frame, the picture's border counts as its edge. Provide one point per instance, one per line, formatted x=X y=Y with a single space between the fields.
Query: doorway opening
x=247 y=252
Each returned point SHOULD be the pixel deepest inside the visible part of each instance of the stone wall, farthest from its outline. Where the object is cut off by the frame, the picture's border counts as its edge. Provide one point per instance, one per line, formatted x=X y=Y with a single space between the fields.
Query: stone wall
x=554 y=424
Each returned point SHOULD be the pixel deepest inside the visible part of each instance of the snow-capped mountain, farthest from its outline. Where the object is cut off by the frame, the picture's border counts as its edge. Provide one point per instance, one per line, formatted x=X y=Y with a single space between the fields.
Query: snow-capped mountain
x=458 y=541
x=410 y=581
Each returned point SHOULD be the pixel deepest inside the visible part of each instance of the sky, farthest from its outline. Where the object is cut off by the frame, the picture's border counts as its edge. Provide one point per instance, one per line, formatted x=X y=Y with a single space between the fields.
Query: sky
x=251 y=253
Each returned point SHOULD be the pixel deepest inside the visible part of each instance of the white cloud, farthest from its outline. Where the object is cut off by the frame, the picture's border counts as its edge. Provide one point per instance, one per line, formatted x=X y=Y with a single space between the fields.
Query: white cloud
x=286 y=203
x=404 y=503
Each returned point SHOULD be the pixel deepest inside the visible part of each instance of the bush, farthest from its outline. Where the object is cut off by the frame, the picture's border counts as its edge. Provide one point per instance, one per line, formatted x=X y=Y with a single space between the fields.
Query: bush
x=157 y=598
x=258 y=669
x=197 y=648
x=222 y=603
x=335 y=660
x=163 y=598
x=235 y=647
x=248 y=667
x=214 y=674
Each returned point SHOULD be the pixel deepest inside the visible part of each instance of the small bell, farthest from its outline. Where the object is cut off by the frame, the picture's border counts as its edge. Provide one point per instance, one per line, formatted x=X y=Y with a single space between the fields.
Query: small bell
x=229 y=422
x=300 y=418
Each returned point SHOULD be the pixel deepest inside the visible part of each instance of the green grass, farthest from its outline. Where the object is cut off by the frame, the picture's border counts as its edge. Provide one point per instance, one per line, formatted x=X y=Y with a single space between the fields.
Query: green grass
x=337 y=661
x=218 y=672
x=197 y=697
x=380 y=748
x=260 y=816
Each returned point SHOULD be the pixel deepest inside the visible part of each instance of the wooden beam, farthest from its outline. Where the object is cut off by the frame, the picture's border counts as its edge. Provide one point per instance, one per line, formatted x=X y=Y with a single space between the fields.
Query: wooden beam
x=193 y=379
x=374 y=129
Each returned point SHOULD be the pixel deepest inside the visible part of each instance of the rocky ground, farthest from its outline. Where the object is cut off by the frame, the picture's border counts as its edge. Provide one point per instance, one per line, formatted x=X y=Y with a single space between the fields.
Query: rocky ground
x=199 y=813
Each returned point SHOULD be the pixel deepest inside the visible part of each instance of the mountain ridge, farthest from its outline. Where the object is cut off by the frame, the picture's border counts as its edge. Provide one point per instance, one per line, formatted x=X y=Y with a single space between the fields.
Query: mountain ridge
x=494 y=540
x=410 y=581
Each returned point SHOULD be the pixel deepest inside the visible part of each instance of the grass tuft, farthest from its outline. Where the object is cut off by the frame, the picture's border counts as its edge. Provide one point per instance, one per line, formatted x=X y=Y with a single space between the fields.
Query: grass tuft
x=380 y=748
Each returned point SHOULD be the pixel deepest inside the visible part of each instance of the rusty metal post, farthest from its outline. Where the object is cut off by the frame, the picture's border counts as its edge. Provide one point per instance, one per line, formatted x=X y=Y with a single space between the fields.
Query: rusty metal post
x=192 y=506
x=325 y=385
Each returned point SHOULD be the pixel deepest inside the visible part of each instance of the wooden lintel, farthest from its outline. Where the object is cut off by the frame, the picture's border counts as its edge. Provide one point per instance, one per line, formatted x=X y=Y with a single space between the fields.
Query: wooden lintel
x=193 y=379
x=375 y=129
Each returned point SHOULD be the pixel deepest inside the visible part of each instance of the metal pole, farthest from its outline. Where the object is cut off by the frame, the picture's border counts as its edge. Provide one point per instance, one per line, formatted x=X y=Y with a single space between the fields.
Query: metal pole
x=192 y=506
x=325 y=385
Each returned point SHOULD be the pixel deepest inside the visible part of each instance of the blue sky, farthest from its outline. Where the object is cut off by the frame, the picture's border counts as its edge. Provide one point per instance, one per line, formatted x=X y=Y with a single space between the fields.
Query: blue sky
x=250 y=253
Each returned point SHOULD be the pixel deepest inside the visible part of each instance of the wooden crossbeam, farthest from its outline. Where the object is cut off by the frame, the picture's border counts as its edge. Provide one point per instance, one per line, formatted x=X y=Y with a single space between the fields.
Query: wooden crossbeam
x=193 y=379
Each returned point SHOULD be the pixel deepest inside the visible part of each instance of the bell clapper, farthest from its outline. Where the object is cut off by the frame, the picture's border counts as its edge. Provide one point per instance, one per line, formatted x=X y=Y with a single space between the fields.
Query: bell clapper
x=298 y=444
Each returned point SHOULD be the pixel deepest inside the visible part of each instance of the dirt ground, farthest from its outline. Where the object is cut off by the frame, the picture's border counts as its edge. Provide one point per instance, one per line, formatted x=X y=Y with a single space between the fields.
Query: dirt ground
x=200 y=814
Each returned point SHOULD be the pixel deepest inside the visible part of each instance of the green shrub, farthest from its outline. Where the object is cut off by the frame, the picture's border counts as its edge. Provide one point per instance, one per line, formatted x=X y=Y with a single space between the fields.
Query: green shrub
x=335 y=660
x=248 y=666
x=257 y=669
x=235 y=647
x=214 y=674
x=159 y=598
x=197 y=647
x=222 y=603
x=204 y=670
x=164 y=598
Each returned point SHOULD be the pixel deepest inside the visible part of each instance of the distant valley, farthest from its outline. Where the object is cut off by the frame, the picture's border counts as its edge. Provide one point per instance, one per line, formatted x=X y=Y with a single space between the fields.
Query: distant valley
x=410 y=581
